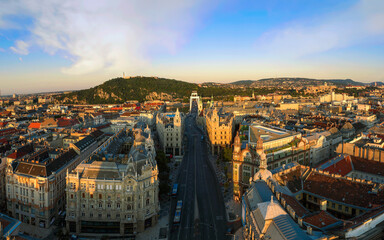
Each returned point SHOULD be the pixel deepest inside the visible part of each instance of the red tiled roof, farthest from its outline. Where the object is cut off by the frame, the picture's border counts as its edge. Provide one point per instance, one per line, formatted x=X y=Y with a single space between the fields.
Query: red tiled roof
x=5 y=113
x=342 y=167
x=8 y=131
x=129 y=105
x=16 y=155
x=66 y=122
x=299 y=209
x=368 y=166
x=321 y=219
x=343 y=190
x=3 y=140
x=3 y=124
x=293 y=179
x=24 y=150
x=103 y=126
x=358 y=220
x=34 y=125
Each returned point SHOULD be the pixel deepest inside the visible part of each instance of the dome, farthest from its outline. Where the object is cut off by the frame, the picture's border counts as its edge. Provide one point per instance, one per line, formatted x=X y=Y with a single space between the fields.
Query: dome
x=271 y=209
x=262 y=174
x=347 y=125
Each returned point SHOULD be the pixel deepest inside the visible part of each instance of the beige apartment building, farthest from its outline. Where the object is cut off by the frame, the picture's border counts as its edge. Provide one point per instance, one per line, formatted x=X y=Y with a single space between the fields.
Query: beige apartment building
x=115 y=191
x=35 y=183
x=170 y=128
x=219 y=127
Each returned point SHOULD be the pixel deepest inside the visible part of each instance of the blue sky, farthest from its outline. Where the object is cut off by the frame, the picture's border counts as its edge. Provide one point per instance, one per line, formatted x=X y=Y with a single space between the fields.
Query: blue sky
x=64 y=45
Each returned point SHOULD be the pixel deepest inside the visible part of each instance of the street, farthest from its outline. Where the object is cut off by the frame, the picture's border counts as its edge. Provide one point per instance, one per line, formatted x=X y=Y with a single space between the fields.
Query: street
x=203 y=211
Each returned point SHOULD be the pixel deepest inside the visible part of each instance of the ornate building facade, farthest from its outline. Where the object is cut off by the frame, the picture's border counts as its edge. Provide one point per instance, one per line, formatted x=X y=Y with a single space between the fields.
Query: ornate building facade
x=170 y=128
x=220 y=128
x=35 y=184
x=115 y=191
x=246 y=159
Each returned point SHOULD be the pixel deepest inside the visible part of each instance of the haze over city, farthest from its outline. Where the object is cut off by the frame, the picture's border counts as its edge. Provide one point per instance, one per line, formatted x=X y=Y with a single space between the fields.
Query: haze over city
x=66 y=45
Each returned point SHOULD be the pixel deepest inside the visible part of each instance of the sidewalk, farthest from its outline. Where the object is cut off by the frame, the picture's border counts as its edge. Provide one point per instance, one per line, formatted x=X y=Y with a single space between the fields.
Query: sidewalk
x=36 y=232
x=153 y=232
x=232 y=207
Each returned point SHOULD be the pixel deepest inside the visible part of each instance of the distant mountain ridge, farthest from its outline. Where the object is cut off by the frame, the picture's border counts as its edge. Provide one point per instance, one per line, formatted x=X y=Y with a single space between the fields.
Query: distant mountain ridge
x=302 y=81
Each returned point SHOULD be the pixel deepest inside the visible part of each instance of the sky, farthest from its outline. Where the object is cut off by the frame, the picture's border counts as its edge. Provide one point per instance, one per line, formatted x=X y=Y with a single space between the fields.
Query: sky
x=67 y=45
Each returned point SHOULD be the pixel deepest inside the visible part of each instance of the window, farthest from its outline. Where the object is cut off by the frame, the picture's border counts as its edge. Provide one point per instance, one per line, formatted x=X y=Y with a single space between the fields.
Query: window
x=118 y=205
x=83 y=195
x=100 y=196
x=340 y=207
x=100 y=205
x=100 y=215
x=91 y=215
x=83 y=214
x=91 y=195
x=147 y=202
x=71 y=196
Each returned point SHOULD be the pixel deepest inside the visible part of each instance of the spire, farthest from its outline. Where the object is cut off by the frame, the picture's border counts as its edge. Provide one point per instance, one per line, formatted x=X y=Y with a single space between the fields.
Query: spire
x=259 y=145
x=260 y=151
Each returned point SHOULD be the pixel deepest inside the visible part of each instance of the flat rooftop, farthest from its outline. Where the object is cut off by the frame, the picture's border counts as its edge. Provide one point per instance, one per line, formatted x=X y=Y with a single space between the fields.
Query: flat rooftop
x=267 y=133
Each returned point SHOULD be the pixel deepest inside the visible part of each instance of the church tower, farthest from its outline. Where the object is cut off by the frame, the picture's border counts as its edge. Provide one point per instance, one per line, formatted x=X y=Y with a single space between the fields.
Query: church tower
x=177 y=119
x=237 y=148
x=263 y=174
x=260 y=152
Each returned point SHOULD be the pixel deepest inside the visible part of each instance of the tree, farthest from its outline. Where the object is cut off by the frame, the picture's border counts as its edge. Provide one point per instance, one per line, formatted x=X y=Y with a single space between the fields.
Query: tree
x=227 y=154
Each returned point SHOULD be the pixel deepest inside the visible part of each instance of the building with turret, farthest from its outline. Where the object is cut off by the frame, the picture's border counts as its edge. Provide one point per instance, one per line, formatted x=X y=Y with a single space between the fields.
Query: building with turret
x=219 y=127
x=115 y=191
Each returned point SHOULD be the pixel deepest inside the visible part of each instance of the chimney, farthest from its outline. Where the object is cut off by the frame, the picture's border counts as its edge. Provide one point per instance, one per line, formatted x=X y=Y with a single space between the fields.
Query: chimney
x=300 y=221
x=309 y=230
x=323 y=205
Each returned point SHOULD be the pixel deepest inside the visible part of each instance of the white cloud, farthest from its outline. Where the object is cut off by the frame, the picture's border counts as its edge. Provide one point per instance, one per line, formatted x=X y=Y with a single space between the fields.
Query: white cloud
x=20 y=47
x=114 y=35
x=361 y=23
x=20 y=59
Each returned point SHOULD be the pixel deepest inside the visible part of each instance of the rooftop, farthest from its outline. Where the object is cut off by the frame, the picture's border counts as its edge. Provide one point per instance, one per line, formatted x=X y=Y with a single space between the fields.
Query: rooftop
x=267 y=133
x=322 y=220
x=40 y=164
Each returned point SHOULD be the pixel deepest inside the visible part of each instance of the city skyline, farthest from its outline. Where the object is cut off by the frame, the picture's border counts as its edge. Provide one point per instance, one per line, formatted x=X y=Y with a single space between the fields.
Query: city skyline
x=70 y=46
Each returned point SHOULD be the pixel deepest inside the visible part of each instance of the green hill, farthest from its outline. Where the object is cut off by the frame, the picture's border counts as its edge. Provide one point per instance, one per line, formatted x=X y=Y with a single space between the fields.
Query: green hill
x=119 y=90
